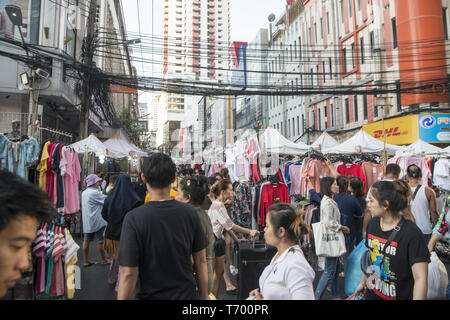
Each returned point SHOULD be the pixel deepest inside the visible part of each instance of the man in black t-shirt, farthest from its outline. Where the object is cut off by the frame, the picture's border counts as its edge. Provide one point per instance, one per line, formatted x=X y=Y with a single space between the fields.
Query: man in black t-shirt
x=158 y=240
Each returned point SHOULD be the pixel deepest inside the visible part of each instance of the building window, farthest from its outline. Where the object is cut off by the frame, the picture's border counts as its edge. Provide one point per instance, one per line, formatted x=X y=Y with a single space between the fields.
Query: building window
x=359 y=5
x=361 y=42
x=444 y=17
x=399 y=96
x=313 y=117
x=312 y=77
x=372 y=42
x=289 y=127
x=300 y=47
x=295 y=48
x=375 y=108
x=290 y=49
x=323 y=72
x=344 y=59
x=350 y=7
x=342 y=11
x=315 y=32
x=298 y=125
x=328 y=22
x=355 y=108
x=347 y=111
x=353 y=55
x=366 y=113
x=331 y=68
x=394 y=31
x=303 y=123
x=321 y=28
x=332 y=115
x=320 y=121
x=293 y=126
x=318 y=76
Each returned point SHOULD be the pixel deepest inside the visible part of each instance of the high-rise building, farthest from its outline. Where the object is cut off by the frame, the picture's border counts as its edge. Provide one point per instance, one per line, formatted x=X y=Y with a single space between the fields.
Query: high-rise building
x=196 y=42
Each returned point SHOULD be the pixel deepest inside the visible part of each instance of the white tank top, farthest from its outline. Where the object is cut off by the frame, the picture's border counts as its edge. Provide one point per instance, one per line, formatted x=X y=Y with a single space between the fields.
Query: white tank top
x=420 y=210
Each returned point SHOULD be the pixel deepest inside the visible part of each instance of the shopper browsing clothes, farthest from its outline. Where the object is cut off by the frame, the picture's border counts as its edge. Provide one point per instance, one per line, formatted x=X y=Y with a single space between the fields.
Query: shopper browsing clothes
x=192 y=191
x=221 y=222
x=94 y=225
x=331 y=217
x=158 y=240
x=23 y=207
x=122 y=199
x=400 y=260
x=288 y=276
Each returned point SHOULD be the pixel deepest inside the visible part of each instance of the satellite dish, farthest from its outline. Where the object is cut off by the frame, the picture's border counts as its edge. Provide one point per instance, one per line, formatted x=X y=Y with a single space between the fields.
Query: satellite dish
x=272 y=18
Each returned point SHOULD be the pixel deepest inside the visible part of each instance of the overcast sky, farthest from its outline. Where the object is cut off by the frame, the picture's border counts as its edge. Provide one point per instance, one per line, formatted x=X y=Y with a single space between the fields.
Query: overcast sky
x=247 y=17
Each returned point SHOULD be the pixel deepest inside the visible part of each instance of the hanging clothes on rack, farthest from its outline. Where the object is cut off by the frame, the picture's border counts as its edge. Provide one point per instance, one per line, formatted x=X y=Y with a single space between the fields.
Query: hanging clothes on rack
x=16 y=156
x=55 y=254
x=241 y=209
x=352 y=170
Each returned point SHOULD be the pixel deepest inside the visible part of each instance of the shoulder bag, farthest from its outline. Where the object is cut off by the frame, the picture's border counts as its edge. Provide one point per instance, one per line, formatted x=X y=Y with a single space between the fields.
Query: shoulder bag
x=366 y=261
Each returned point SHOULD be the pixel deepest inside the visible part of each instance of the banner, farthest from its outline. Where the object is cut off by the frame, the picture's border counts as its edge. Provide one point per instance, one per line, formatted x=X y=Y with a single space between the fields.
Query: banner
x=434 y=128
x=399 y=131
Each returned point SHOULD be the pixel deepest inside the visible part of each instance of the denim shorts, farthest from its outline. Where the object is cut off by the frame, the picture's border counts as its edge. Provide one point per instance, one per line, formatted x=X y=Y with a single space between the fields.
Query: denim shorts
x=98 y=235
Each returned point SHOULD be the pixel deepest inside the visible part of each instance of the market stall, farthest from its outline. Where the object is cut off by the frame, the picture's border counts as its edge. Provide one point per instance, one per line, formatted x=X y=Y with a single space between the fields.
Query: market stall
x=325 y=141
x=362 y=142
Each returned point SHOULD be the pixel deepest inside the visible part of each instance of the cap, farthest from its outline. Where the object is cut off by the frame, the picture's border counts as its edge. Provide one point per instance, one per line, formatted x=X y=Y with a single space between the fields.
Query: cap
x=92 y=179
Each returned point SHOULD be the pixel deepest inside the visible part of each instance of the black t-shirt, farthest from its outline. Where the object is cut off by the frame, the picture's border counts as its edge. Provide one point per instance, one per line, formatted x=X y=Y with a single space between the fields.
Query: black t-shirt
x=396 y=281
x=159 y=238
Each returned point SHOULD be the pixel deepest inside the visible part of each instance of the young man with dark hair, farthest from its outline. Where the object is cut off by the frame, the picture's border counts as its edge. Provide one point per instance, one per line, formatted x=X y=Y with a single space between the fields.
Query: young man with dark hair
x=23 y=207
x=158 y=240
x=423 y=204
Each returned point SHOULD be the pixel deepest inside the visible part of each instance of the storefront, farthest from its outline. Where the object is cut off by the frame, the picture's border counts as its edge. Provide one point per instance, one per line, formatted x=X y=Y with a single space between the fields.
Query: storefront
x=431 y=128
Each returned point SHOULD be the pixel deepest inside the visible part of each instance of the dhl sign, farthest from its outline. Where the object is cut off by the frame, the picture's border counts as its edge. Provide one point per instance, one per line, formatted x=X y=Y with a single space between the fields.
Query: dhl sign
x=399 y=131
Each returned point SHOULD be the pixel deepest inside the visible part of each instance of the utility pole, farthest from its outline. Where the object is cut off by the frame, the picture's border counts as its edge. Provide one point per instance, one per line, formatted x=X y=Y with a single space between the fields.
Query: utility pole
x=88 y=63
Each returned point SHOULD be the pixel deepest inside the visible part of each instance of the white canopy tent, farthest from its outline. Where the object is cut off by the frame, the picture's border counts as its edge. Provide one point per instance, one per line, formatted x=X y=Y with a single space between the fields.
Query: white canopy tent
x=446 y=150
x=276 y=143
x=418 y=147
x=90 y=144
x=120 y=147
x=325 y=141
x=362 y=142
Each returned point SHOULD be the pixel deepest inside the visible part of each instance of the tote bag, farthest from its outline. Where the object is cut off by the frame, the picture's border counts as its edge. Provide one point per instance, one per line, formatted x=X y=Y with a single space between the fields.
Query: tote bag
x=328 y=243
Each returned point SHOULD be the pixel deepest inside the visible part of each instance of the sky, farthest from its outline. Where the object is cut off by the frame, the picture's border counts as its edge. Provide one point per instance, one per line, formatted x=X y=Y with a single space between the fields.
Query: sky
x=247 y=17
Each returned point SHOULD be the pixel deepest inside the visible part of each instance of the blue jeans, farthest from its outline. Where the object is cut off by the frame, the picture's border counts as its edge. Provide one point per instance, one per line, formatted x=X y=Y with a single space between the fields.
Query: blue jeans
x=330 y=274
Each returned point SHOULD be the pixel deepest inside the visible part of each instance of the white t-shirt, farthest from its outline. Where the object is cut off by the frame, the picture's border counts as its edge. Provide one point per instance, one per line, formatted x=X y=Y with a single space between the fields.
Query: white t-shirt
x=219 y=218
x=290 y=277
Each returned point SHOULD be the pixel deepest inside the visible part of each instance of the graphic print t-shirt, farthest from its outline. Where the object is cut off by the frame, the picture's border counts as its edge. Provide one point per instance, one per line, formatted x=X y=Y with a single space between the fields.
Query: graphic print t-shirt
x=395 y=281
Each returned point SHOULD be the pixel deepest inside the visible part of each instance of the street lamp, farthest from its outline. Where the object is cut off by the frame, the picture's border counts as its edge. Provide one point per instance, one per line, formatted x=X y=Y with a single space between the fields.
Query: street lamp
x=15 y=15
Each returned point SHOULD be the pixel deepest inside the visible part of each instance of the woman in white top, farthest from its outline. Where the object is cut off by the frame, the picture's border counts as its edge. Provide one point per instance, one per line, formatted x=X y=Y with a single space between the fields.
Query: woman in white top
x=331 y=217
x=288 y=276
x=221 y=222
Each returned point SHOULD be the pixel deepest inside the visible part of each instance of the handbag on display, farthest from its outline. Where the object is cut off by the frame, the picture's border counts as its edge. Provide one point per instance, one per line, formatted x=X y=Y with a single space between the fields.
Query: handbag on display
x=328 y=243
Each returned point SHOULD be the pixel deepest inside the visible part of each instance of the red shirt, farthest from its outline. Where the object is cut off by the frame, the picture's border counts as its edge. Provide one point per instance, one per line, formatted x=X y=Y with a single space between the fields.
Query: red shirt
x=270 y=194
x=352 y=170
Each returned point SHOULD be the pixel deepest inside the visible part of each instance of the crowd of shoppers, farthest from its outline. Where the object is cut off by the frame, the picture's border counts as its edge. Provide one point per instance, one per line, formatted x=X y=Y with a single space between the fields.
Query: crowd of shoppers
x=178 y=242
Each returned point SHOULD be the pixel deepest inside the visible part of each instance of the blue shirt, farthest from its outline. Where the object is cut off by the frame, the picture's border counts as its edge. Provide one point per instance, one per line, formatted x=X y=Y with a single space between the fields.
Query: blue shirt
x=349 y=208
x=91 y=208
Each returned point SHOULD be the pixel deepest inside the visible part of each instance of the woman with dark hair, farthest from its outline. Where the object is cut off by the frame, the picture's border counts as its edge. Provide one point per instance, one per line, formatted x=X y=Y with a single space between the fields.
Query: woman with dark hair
x=221 y=222
x=331 y=217
x=401 y=266
x=356 y=189
x=122 y=199
x=350 y=210
x=224 y=173
x=192 y=190
x=288 y=276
